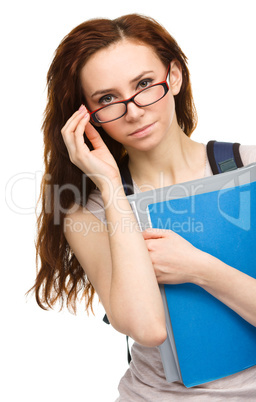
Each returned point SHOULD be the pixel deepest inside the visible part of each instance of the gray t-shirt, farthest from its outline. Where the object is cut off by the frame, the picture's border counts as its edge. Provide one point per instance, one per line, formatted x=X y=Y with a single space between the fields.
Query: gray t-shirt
x=145 y=380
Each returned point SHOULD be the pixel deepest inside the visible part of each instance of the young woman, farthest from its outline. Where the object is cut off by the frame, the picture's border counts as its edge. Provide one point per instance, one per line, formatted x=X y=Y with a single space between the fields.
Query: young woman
x=120 y=90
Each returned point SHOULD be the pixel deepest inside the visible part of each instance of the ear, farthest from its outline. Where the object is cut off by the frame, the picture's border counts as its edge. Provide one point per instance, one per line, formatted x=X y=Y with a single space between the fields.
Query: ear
x=175 y=77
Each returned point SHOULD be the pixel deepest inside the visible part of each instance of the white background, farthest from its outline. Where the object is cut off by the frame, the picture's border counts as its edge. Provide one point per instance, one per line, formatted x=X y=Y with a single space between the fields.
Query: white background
x=51 y=356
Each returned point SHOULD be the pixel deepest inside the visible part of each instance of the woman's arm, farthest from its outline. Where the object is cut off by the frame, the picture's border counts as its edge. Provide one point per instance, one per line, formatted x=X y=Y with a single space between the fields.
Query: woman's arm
x=175 y=260
x=134 y=296
x=115 y=258
x=117 y=263
x=231 y=286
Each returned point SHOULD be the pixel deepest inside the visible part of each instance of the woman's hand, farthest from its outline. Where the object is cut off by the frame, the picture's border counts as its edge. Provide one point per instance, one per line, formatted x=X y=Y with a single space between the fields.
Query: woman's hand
x=174 y=259
x=99 y=163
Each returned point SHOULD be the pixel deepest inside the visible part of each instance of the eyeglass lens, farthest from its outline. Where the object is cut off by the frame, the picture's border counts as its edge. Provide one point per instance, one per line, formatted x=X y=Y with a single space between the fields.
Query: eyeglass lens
x=146 y=97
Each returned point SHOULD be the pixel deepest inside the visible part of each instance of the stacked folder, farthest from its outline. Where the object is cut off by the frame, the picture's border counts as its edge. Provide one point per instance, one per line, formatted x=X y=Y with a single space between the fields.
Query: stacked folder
x=206 y=339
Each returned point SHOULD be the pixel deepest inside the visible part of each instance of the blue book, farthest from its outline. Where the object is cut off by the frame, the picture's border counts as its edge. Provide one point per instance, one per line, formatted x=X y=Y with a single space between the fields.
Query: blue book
x=206 y=339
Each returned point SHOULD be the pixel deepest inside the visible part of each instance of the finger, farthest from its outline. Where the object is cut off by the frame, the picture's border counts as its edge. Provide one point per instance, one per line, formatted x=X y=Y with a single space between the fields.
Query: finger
x=153 y=233
x=79 y=133
x=69 y=142
x=69 y=135
x=72 y=122
x=71 y=119
x=149 y=245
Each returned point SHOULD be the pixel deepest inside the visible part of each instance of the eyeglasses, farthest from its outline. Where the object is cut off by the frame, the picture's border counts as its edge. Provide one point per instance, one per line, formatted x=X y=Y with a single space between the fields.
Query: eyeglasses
x=143 y=98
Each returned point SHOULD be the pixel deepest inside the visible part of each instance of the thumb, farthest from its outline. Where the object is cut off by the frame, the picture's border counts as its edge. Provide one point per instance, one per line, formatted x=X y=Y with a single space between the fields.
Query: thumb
x=94 y=137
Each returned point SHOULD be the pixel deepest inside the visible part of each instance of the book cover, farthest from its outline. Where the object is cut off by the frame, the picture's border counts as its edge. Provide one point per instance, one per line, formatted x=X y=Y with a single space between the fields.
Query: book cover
x=206 y=339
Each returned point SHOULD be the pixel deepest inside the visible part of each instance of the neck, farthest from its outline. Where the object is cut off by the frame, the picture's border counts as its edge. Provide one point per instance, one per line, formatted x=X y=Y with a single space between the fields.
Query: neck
x=176 y=159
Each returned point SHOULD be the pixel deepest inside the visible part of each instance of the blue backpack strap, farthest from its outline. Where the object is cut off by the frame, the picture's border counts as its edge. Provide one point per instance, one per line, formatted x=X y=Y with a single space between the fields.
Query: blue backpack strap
x=129 y=357
x=105 y=319
x=126 y=177
x=223 y=156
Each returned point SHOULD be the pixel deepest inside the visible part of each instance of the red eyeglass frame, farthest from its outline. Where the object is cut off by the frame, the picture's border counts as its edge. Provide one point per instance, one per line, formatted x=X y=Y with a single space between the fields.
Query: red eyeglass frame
x=131 y=99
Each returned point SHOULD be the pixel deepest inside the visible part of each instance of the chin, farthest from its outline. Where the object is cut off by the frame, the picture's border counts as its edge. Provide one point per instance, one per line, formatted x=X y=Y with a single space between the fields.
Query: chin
x=146 y=145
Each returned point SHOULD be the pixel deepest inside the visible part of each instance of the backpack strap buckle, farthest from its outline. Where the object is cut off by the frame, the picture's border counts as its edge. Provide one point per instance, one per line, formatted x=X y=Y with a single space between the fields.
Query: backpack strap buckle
x=223 y=156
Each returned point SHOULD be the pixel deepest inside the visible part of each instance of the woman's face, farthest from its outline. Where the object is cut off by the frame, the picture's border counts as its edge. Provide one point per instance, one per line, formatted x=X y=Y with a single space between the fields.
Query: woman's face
x=117 y=73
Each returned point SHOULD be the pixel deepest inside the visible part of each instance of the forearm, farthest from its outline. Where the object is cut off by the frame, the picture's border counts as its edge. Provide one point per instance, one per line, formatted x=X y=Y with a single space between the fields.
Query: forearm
x=232 y=287
x=135 y=300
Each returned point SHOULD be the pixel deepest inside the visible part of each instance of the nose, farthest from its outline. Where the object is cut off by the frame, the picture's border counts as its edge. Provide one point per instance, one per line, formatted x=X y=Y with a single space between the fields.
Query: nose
x=134 y=112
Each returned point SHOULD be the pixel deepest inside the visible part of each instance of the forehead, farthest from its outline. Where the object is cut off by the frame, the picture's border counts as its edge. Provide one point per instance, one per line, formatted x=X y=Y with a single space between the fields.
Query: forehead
x=118 y=63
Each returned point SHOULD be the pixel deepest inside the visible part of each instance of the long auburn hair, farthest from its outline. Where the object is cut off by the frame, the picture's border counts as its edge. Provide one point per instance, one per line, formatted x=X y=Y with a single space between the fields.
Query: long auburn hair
x=60 y=277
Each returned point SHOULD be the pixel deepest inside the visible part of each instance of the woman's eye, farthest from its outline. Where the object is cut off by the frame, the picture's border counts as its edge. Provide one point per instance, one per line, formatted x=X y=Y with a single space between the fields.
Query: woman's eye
x=145 y=83
x=106 y=99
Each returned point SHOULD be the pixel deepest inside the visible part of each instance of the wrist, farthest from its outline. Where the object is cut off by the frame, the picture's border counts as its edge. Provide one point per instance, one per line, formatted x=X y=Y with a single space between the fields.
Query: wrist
x=204 y=264
x=112 y=189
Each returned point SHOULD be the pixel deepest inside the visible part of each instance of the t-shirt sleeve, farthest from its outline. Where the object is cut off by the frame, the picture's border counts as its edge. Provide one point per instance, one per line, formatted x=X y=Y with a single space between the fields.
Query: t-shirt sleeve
x=248 y=154
x=95 y=205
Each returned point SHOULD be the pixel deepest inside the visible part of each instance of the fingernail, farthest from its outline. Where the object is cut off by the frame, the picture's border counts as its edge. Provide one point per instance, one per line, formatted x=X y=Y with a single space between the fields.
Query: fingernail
x=86 y=114
x=82 y=108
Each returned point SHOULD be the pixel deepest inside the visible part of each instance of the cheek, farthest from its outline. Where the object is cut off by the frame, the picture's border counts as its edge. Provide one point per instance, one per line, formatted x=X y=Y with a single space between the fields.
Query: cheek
x=167 y=108
x=113 y=129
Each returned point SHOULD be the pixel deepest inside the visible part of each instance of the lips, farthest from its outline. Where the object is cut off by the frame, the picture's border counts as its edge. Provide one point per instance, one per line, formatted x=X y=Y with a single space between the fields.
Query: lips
x=142 y=131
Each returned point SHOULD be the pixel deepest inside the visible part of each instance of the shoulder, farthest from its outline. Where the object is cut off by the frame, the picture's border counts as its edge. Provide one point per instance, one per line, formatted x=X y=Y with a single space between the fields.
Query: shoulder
x=80 y=222
x=248 y=154
x=84 y=233
x=88 y=239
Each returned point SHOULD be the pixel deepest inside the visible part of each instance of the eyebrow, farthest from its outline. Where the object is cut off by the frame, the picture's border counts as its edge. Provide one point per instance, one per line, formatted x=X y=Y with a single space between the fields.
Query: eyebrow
x=104 y=91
